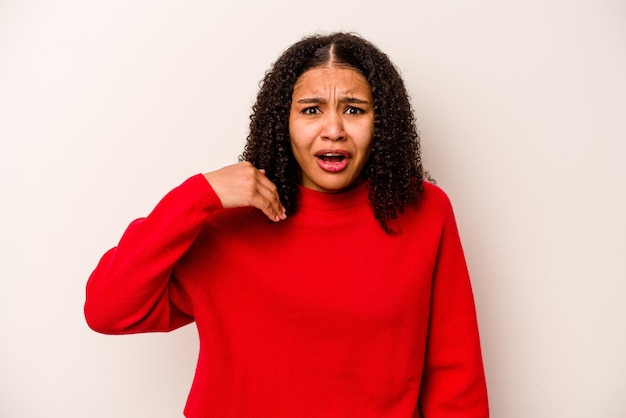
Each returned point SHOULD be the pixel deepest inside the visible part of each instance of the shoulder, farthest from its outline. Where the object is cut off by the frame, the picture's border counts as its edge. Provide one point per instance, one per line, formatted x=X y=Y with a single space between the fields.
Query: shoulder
x=434 y=199
x=428 y=215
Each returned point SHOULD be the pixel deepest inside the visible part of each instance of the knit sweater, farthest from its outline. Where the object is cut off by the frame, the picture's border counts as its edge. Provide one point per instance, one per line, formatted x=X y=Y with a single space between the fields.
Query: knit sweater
x=320 y=315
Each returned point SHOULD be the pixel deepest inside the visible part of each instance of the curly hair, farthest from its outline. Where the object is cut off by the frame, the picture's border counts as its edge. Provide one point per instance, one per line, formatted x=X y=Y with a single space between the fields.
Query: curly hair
x=394 y=168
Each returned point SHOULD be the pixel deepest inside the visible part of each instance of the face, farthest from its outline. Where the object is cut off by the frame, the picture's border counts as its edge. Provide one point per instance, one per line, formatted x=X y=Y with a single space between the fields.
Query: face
x=331 y=125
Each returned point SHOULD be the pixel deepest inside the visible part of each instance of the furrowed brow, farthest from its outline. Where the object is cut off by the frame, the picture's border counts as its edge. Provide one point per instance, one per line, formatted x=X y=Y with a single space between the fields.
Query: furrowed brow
x=311 y=100
x=319 y=100
x=354 y=100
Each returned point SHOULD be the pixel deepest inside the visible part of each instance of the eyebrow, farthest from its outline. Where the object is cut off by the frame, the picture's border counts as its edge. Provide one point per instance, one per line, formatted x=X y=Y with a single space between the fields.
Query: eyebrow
x=319 y=100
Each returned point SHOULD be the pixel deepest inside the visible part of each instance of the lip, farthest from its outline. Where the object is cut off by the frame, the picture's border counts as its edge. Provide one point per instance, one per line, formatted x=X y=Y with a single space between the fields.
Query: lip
x=344 y=153
x=333 y=166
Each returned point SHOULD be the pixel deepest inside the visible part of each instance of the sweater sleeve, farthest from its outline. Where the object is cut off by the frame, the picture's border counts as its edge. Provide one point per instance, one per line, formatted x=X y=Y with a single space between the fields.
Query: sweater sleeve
x=131 y=289
x=453 y=382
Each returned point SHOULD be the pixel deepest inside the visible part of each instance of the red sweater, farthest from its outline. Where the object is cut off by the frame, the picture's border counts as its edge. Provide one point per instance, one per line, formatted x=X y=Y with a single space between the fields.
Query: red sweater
x=320 y=315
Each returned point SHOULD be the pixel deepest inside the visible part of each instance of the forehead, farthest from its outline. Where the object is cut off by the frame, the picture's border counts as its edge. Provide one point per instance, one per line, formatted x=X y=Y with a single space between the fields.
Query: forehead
x=320 y=79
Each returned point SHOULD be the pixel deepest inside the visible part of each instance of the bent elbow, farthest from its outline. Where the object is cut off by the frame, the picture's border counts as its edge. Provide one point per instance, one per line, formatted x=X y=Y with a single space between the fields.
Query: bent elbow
x=106 y=315
x=98 y=321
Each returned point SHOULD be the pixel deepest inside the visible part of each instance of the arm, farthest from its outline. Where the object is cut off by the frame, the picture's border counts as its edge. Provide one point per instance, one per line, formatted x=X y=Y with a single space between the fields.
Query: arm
x=131 y=290
x=453 y=383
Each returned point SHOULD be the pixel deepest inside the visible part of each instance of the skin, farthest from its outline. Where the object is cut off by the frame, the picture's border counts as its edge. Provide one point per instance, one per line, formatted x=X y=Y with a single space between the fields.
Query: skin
x=242 y=184
x=332 y=111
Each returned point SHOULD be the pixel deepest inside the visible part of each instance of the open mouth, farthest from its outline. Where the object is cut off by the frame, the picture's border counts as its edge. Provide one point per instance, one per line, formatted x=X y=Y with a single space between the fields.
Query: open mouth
x=331 y=157
x=332 y=161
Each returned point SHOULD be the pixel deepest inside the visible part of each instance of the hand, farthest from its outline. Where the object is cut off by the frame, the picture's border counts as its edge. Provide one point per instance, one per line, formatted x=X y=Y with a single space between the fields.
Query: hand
x=241 y=184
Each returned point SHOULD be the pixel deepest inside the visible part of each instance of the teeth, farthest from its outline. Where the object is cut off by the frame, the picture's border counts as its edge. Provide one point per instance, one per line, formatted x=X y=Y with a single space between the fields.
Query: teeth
x=331 y=157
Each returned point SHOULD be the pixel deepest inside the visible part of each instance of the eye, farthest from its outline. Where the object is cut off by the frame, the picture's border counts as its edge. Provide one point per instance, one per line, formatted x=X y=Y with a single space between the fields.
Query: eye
x=311 y=111
x=351 y=110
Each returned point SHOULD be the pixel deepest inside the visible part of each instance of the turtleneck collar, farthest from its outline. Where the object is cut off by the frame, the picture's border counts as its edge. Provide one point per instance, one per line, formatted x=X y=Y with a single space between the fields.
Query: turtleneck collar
x=350 y=198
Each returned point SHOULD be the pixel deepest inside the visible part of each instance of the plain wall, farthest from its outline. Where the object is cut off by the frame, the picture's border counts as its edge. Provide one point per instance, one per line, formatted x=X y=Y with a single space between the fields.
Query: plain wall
x=105 y=106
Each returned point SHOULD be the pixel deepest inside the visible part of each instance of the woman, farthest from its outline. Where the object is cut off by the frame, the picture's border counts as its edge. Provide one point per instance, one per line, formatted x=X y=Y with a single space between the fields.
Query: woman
x=353 y=300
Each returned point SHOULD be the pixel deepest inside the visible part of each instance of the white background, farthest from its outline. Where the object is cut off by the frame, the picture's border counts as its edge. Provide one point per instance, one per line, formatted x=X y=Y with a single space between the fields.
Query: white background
x=107 y=105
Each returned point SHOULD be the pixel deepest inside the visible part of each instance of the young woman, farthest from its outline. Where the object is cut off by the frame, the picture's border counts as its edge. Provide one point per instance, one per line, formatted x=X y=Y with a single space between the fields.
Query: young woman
x=325 y=277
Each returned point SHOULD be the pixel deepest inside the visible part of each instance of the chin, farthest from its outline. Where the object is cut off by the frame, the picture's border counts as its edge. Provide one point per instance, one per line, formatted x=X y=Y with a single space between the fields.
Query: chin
x=338 y=185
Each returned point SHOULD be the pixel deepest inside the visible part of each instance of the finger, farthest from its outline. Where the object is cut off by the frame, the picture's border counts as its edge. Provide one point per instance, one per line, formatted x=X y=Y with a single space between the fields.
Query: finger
x=266 y=204
x=268 y=201
x=269 y=191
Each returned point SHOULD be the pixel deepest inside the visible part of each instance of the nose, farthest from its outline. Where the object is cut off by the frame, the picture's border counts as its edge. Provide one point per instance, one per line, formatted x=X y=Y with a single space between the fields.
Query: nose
x=333 y=127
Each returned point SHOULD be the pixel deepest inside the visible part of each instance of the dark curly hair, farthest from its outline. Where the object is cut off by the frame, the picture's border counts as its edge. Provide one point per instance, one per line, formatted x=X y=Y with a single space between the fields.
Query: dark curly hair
x=394 y=167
